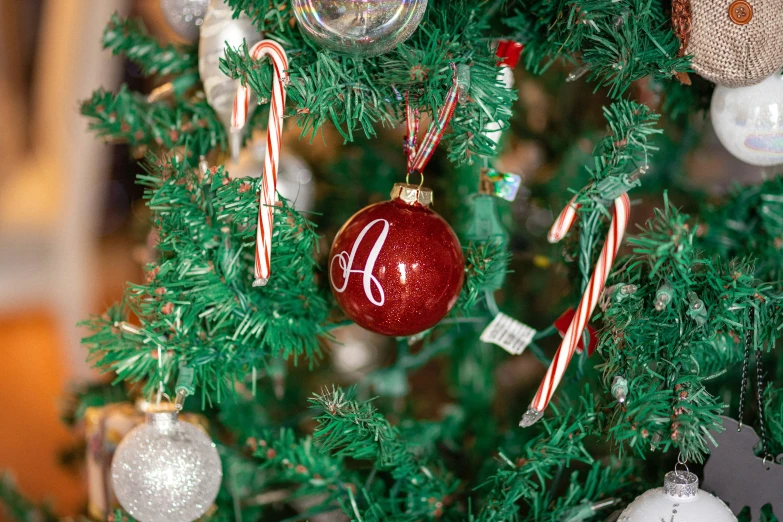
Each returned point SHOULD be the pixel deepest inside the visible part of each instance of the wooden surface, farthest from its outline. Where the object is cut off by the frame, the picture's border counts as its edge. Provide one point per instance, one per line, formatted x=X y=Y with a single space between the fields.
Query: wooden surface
x=31 y=384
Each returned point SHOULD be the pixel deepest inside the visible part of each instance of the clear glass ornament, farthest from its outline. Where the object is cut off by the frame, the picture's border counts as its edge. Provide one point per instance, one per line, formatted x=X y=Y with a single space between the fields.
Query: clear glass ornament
x=184 y=16
x=166 y=470
x=359 y=27
x=679 y=499
x=749 y=121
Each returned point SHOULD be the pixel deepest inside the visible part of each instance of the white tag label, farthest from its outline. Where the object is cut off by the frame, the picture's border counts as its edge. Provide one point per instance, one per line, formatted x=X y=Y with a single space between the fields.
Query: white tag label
x=508 y=333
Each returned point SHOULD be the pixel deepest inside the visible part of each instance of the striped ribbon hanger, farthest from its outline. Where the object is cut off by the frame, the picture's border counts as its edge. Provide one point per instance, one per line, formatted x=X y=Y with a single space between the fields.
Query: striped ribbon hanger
x=420 y=154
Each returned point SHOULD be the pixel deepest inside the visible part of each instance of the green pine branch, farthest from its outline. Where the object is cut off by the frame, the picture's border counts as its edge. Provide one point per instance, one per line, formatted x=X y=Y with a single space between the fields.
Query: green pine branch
x=750 y=222
x=364 y=94
x=19 y=508
x=128 y=117
x=197 y=306
x=352 y=429
x=129 y=37
x=612 y=43
x=671 y=352
x=525 y=477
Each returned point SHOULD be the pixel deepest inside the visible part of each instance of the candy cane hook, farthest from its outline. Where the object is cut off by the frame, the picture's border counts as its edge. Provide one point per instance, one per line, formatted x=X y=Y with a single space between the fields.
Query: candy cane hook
x=274 y=133
x=622 y=209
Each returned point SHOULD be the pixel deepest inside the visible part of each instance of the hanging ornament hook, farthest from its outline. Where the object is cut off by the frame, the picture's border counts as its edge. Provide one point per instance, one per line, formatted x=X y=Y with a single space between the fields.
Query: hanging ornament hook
x=419 y=155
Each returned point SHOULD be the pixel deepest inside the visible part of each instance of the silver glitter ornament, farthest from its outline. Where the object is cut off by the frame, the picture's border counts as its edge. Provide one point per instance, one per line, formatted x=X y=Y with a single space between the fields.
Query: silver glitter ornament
x=221 y=29
x=166 y=470
x=184 y=16
x=680 y=499
x=359 y=27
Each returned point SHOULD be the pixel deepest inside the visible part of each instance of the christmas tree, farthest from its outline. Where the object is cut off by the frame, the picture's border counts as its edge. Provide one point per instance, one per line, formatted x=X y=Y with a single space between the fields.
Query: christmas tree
x=486 y=400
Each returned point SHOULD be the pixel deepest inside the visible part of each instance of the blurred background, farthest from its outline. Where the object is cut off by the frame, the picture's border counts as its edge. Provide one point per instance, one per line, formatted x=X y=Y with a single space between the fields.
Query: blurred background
x=73 y=226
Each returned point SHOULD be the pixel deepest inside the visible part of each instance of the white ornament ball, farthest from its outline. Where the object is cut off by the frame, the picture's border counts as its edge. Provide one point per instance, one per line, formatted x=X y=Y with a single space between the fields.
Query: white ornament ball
x=359 y=27
x=749 y=121
x=166 y=470
x=680 y=499
x=221 y=29
x=184 y=16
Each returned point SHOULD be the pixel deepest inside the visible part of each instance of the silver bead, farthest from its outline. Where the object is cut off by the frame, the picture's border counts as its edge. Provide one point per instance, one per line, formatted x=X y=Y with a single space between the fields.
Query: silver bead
x=220 y=29
x=184 y=16
x=166 y=470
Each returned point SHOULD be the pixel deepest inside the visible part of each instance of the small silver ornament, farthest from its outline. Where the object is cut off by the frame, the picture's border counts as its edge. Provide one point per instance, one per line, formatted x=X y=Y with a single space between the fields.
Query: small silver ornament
x=221 y=29
x=166 y=470
x=679 y=500
x=359 y=27
x=184 y=16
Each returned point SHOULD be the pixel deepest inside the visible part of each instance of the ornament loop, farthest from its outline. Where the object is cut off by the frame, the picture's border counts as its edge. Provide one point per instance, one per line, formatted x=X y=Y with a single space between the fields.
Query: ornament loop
x=421 y=178
x=767 y=458
x=420 y=155
x=681 y=461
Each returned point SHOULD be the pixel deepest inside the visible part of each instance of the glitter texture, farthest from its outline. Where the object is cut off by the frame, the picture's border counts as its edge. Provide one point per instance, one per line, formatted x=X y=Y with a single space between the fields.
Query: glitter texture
x=688 y=503
x=396 y=268
x=184 y=16
x=166 y=470
x=359 y=27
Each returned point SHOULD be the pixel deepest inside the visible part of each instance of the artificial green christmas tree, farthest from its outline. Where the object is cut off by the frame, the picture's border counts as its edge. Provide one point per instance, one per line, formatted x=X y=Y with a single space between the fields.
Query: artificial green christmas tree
x=432 y=430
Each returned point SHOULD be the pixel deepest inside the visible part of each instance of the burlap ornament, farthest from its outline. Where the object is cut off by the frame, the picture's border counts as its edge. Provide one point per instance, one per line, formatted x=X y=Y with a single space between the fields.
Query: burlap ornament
x=734 y=43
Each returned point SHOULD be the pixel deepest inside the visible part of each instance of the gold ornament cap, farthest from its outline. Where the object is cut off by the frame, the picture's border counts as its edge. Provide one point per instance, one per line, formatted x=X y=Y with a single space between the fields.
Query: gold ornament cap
x=412 y=194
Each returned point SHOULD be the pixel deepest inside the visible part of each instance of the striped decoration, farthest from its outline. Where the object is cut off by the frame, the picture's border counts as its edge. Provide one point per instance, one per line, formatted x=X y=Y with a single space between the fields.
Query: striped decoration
x=268 y=196
x=419 y=156
x=622 y=209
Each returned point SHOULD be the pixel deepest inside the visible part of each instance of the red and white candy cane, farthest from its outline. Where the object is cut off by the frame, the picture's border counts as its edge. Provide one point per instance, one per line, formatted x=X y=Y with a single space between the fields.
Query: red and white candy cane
x=274 y=135
x=622 y=210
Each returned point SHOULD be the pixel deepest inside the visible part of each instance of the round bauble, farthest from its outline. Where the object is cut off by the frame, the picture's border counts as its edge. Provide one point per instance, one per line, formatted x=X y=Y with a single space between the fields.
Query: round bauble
x=221 y=29
x=396 y=267
x=749 y=121
x=166 y=471
x=679 y=499
x=359 y=27
x=184 y=16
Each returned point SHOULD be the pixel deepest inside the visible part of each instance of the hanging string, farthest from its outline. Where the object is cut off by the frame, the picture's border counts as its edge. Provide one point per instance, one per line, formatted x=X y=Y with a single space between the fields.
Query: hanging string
x=745 y=363
x=412 y=124
x=750 y=337
x=420 y=155
x=759 y=395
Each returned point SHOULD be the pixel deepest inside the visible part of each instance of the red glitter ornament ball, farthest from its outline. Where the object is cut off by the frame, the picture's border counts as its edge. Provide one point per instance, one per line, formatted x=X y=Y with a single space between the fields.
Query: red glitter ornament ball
x=396 y=268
